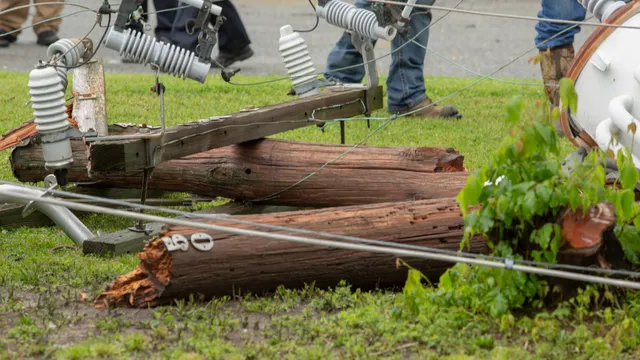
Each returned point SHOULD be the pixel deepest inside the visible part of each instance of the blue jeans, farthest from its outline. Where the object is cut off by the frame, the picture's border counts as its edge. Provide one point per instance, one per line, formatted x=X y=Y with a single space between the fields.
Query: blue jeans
x=561 y=10
x=405 y=84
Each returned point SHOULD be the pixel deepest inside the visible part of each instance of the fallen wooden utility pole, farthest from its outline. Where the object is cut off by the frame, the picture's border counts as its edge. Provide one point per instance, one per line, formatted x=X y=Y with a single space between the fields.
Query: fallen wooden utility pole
x=240 y=264
x=260 y=169
x=185 y=260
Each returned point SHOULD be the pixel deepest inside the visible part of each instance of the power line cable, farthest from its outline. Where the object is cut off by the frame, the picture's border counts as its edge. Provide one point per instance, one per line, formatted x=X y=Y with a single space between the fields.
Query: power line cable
x=509 y=16
x=507 y=264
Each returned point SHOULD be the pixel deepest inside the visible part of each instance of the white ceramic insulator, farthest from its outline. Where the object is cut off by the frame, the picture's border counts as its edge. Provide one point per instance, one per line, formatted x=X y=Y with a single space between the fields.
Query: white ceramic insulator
x=362 y=21
x=620 y=112
x=144 y=49
x=50 y=112
x=296 y=57
x=605 y=139
x=72 y=55
x=602 y=9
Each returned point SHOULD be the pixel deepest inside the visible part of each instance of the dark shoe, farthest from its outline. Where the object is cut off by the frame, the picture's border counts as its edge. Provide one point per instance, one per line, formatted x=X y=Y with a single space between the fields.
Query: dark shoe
x=6 y=40
x=226 y=60
x=427 y=110
x=47 y=38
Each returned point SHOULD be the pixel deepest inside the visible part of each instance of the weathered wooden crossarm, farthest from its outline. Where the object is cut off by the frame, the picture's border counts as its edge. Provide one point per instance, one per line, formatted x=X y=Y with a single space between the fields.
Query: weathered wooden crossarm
x=188 y=139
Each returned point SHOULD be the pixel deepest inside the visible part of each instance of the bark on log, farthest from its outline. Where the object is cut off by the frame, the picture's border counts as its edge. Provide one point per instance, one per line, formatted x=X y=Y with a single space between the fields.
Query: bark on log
x=259 y=169
x=248 y=264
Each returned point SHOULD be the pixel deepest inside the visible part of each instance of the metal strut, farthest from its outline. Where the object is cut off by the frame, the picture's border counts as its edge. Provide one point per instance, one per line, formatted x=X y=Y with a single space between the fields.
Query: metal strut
x=365 y=46
x=149 y=149
x=208 y=35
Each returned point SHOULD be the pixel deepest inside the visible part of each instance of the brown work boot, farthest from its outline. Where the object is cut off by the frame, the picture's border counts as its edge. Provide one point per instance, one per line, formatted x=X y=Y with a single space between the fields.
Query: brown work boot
x=555 y=64
x=433 y=111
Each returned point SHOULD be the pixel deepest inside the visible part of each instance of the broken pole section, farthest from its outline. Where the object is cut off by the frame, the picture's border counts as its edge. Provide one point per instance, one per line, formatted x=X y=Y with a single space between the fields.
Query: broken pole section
x=240 y=264
x=89 y=102
x=259 y=169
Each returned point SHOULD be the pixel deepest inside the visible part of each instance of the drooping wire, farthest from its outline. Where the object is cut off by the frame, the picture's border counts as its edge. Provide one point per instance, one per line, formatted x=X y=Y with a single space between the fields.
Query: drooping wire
x=457 y=64
x=510 y=16
x=227 y=218
x=104 y=34
x=317 y=20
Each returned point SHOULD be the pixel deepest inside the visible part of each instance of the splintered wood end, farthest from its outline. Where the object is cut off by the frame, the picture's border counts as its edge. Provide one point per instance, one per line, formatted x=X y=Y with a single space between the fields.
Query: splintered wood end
x=142 y=286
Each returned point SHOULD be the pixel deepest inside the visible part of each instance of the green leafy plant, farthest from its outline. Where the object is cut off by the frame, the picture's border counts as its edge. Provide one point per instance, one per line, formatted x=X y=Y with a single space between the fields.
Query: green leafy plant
x=515 y=202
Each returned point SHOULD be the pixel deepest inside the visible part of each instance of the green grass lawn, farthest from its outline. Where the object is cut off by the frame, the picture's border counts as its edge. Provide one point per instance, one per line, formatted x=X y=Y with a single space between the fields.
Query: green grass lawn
x=44 y=311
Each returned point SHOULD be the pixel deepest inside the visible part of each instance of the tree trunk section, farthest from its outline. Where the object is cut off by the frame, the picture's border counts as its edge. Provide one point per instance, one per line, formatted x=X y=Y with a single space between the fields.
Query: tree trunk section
x=241 y=264
x=270 y=172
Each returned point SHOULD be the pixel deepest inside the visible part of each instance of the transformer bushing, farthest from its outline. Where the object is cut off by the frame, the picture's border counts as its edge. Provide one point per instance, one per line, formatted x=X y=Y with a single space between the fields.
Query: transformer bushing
x=602 y=9
x=298 y=62
x=50 y=112
x=361 y=21
x=144 y=49
x=606 y=72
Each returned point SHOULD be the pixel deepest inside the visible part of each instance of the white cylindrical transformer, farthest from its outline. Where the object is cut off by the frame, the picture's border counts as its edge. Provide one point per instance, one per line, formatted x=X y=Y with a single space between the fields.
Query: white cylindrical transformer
x=297 y=61
x=50 y=112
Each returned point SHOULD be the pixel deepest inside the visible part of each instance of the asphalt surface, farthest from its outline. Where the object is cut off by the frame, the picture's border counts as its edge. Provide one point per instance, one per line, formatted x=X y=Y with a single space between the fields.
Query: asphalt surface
x=481 y=44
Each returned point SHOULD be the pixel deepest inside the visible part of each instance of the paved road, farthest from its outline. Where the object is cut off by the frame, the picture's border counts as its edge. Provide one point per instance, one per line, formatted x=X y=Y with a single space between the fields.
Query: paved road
x=479 y=43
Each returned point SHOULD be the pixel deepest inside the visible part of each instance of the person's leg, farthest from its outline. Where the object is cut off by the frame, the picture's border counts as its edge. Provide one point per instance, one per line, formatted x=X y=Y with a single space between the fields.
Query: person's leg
x=344 y=54
x=406 y=90
x=166 y=19
x=233 y=40
x=562 y=10
x=47 y=31
x=557 y=53
x=405 y=83
x=12 y=20
x=179 y=34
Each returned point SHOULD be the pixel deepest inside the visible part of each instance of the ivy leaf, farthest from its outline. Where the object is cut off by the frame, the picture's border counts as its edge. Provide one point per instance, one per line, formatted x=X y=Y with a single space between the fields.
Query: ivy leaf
x=499 y=305
x=471 y=193
x=485 y=220
x=568 y=95
x=446 y=282
x=514 y=110
x=630 y=241
x=543 y=236
x=545 y=132
x=529 y=204
x=627 y=200
x=628 y=175
x=543 y=192
x=555 y=113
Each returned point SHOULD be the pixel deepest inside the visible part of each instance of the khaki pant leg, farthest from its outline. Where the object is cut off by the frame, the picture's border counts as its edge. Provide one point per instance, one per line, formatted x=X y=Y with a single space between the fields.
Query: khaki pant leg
x=13 y=20
x=45 y=12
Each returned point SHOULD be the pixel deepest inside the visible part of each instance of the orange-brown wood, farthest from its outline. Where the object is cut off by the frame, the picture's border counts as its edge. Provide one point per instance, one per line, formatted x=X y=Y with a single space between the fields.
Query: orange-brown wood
x=240 y=264
x=258 y=169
